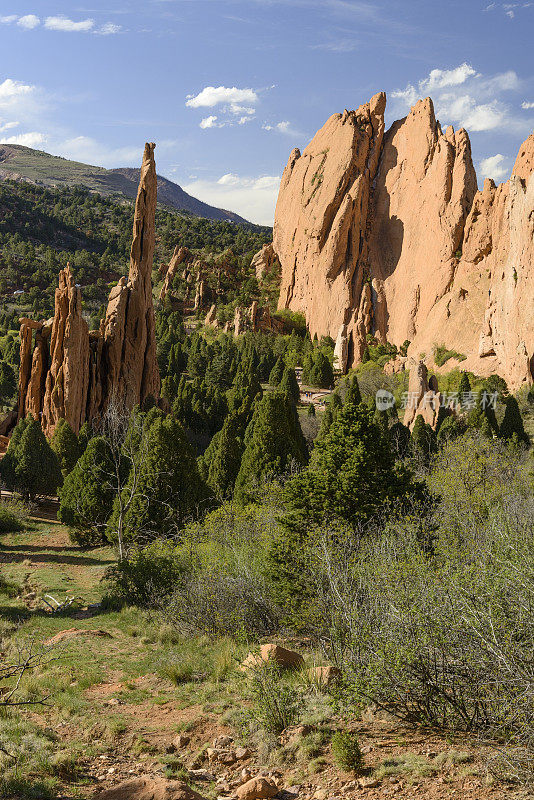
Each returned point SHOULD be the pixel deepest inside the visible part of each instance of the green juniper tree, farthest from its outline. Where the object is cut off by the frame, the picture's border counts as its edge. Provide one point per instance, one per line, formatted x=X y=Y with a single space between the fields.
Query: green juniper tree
x=37 y=470
x=272 y=441
x=65 y=445
x=86 y=497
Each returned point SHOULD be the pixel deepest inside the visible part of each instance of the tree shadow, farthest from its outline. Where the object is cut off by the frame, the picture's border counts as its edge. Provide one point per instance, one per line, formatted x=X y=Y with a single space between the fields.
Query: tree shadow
x=18 y=553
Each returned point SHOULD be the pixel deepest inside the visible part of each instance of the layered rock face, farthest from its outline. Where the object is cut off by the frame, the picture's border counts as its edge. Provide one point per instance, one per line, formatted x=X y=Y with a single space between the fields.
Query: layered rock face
x=69 y=372
x=386 y=234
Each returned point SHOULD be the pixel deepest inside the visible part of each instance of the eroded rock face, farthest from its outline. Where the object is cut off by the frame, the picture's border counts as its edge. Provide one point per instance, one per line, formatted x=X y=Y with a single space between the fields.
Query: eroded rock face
x=181 y=255
x=423 y=397
x=386 y=233
x=265 y=261
x=129 y=331
x=68 y=372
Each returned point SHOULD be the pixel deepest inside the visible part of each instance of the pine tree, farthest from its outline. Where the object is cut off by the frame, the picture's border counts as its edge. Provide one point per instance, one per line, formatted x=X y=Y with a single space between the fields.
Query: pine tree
x=311 y=410
x=353 y=394
x=321 y=373
x=423 y=441
x=332 y=408
x=65 y=445
x=464 y=386
x=277 y=372
x=8 y=464
x=84 y=437
x=273 y=439
x=37 y=470
x=512 y=428
x=86 y=498
x=351 y=472
x=289 y=385
x=219 y=466
x=167 y=489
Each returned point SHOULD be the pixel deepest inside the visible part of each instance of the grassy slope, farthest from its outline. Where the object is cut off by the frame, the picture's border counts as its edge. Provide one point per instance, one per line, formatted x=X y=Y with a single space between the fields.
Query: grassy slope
x=117 y=700
x=17 y=162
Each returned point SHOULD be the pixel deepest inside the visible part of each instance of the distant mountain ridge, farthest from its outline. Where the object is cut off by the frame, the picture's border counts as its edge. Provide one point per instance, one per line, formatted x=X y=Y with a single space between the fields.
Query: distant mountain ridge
x=25 y=164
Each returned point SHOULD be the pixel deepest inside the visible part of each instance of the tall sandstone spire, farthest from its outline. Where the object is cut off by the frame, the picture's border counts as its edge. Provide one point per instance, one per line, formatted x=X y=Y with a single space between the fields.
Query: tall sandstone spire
x=129 y=329
x=69 y=372
x=386 y=234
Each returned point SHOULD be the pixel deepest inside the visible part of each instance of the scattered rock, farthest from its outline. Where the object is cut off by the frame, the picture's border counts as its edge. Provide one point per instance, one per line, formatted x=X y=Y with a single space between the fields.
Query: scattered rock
x=325 y=675
x=242 y=753
x=180 y=741
x=258 y=788
x=285 y=659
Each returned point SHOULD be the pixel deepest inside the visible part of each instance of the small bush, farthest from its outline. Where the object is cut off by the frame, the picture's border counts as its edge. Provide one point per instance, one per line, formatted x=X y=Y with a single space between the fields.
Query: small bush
x=13 y=516
x=346 y=750
x=442 y=355
x=275 y=704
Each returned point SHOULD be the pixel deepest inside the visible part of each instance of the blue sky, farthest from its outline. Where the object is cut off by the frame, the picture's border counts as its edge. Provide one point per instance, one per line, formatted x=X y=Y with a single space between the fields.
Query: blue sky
x=226 y=88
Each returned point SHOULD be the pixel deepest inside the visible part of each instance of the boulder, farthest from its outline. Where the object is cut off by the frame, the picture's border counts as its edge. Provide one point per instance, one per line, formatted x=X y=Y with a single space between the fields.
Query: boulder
x=283 y=658
x=265 y=261
x=325 y=675
x=149 y=788
x=258 y=788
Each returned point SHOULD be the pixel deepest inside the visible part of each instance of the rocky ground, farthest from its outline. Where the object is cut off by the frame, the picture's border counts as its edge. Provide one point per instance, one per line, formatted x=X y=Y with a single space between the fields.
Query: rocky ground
x=137 y=711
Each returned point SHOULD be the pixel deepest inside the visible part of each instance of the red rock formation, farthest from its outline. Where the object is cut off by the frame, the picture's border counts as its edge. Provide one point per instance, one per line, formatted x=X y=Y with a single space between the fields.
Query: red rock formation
x=423 y=397
x=387 y=234
x=67 y=379
x=129 y=328
x=71 y=373
x=265 y=261
x=181 y=255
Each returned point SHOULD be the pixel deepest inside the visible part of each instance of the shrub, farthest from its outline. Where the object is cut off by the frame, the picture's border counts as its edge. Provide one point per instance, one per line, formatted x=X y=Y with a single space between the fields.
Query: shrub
x=147 y=578
x=275 y=704
x=13 y=516
x=442 y=355
x=346 y=750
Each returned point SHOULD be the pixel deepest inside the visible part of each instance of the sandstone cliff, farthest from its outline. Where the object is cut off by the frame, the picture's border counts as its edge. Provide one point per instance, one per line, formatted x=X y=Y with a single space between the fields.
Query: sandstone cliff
x=68 y=372
x=386 y=233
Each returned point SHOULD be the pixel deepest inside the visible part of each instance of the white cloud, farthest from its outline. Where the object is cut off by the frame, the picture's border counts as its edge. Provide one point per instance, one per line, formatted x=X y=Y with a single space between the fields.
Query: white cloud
x=465 y=97
x=9 y=19
x=527 y=105
x=11 y=89
x=281 y=127
x=209 y=122
x=109 y=29
x=68 y=25
x=31 y=139
x=29 y=22
x=7 y=126
x=495 y=167
x=212 y=96
x=253 y=198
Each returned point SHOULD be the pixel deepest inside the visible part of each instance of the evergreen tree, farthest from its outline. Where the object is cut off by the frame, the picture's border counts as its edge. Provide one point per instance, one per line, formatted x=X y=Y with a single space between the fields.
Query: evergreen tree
x=353 y=394
x=321 y=373
x=277 y=372
x=84 y=437
x=311 y=409
x=289 y=385
x=8 y=381
x=399 y=437
x=65 y=445
x=219 y=465
x=512 y=428
x=423 y=440
x=464 y=386
x=167 y=488
x=86 y=498
x=351 y=473
x=37 y=470
x=8 y=464
x=332 y=408
x=273 y=439
x=450 y=428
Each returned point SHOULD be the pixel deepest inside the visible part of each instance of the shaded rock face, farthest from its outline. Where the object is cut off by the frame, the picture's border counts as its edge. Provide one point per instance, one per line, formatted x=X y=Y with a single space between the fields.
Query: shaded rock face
x=265 y=261
x=386 y=233
x=68 y=372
